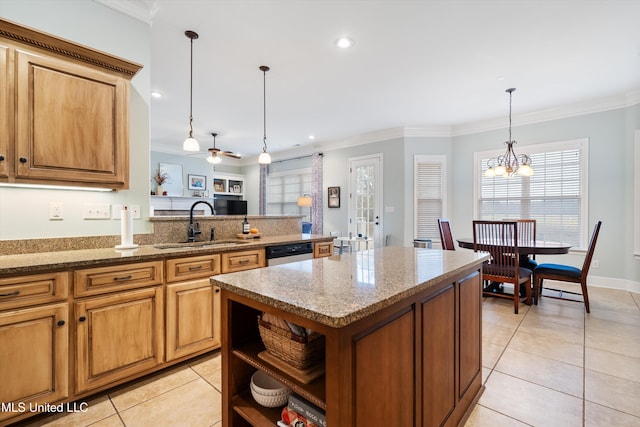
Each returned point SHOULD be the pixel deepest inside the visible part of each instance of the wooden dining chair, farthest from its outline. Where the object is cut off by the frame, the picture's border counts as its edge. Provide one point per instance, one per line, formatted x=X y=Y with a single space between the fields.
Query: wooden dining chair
x=446 y=237
x=526 y=235
x=500 y=239
x=566 y=273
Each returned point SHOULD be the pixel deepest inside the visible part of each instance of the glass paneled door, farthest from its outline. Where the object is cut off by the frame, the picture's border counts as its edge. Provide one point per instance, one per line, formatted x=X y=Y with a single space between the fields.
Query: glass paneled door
x=365 y=198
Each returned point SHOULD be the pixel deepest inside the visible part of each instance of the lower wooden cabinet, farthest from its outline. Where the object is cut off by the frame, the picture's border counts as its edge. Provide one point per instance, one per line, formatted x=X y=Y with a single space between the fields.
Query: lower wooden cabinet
x=193 y=318
x=117 y=336
x=242 y=260
x=34 y=354
x=322 y=249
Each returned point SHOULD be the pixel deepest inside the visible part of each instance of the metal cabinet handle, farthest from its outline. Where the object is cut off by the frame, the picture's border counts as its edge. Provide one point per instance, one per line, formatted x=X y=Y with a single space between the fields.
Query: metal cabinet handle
x=23 y=159
x=82 y=318
x=243 y=261
x=115 y=279
x=10 y=294
x=217 y=290
x=1 y=157
x=195 y=267
x=60 y=322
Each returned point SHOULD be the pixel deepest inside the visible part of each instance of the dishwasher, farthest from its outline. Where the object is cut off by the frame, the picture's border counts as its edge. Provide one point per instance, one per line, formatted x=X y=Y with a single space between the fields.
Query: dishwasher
x=291 y=252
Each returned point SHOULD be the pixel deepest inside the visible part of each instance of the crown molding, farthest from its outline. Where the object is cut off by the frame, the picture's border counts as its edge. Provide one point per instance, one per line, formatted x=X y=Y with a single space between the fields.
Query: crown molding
x=561 y=112
x=142 y=10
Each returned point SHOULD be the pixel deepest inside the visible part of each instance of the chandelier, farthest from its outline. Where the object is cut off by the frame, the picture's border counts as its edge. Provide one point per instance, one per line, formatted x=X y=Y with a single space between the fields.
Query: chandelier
x=509 y=163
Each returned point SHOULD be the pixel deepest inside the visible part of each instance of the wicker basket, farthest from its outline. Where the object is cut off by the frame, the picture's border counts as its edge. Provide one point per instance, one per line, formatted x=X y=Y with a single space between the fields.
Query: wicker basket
x=299 y=352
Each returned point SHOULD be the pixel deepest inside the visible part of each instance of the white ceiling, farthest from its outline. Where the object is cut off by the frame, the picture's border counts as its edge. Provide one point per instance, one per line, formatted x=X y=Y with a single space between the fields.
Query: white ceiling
x=435 y=65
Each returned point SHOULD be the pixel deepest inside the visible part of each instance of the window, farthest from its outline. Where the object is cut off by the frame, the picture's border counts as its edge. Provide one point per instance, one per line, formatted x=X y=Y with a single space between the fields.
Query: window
x=555 y=196
x=283 y=190
x=429 y=189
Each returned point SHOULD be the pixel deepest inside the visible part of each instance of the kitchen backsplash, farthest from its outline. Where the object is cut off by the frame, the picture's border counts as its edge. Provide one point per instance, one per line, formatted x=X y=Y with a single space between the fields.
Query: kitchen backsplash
x=166 y=229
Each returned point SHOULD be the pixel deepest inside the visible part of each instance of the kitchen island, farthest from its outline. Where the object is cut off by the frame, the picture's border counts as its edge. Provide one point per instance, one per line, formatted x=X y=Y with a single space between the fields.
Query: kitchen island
x=402 y=328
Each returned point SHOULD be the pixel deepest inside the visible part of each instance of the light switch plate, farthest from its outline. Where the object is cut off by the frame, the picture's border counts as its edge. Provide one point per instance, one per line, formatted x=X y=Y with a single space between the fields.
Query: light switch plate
x=97 y=211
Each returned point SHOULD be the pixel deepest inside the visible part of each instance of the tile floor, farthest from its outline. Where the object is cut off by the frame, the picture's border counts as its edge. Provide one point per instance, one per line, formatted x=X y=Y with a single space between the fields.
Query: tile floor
x=550 y=365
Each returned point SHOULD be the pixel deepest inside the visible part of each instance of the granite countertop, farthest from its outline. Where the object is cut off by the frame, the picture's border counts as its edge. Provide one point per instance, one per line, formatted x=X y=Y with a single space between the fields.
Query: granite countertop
x=60 y=260
x=338 y=290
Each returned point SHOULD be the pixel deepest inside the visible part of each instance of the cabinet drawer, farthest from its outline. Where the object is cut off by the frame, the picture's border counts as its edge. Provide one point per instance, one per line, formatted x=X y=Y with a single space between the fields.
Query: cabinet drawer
x=242 y=260
x=94 y=281
x=33 y=289
x=192 y=267
x=322 y=249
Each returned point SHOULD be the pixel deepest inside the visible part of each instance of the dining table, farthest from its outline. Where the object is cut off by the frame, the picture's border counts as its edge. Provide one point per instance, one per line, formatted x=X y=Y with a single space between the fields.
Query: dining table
x=538 y=247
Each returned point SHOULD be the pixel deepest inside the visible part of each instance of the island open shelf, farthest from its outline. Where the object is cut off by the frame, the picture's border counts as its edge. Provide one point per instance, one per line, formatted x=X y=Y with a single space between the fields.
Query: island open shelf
x=407 y=352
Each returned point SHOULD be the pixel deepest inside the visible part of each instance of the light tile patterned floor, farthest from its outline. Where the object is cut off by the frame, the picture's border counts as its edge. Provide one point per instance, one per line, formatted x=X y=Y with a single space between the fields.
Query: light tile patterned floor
x=550 y=365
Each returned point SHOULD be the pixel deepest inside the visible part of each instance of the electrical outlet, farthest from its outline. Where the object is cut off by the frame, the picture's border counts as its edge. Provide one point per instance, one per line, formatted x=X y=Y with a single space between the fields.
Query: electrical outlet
x=135 y=209
x=55 y=210
x=97 y=211
x=595 y=263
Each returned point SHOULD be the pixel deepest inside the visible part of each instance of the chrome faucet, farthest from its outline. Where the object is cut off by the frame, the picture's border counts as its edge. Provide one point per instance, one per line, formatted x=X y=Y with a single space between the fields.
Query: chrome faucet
x=194 y=228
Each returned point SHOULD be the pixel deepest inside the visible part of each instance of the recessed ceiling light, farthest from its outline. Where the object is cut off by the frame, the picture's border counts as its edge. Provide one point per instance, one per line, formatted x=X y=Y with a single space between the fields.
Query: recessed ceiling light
x=157 y=94
x=344 y=42
x=500 y=78
x=312 y=137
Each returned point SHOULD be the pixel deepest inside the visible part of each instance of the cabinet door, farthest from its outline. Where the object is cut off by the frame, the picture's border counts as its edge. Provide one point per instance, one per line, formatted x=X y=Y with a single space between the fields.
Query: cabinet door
x=34 y=357
x=72 y=122
x=384 y=376
x=438 y=357
x=193 y=318
x=470 y=332
x=5 y=118
x=118 y=336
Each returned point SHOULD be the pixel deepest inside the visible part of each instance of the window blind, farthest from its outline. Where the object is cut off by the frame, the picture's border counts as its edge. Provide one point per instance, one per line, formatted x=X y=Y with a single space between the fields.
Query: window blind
x=429 y=190
x=283 y=191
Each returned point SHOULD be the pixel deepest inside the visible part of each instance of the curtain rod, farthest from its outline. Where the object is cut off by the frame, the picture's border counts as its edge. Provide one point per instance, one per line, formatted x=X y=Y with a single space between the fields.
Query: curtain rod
x=296 y=158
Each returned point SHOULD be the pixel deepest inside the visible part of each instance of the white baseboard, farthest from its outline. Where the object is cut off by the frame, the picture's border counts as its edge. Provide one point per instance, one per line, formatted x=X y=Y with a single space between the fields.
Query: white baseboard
x=611 y=283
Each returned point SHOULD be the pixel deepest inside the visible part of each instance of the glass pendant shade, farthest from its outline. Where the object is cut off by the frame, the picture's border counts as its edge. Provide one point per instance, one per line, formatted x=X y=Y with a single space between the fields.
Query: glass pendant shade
x=264 y=158
x=191 y=144
x=214 y=159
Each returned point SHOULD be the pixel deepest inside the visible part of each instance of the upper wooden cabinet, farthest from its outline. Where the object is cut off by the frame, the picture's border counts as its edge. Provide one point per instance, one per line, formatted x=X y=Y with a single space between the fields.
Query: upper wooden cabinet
x=66 y=119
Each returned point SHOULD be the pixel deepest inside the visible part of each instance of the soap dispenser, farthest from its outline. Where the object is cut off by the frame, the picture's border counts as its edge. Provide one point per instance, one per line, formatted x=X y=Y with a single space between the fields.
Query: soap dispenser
x=245 y=226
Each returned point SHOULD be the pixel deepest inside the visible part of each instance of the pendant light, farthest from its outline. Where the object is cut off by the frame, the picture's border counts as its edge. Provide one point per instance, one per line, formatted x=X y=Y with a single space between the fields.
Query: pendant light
x=191 y=144
x=264 y=158
x=509 y=163
x=213 y=157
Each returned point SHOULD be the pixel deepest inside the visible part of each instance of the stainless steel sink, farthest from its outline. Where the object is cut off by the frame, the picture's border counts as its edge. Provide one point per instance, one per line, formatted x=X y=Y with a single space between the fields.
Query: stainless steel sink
x=202 y=245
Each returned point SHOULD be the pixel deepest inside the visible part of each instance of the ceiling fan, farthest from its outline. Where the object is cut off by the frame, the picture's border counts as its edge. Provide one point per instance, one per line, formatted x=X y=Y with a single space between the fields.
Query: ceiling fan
x=216 y=153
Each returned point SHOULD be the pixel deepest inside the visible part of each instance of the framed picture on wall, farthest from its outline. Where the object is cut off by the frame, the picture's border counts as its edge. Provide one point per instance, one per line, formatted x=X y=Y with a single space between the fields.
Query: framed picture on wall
x=197 y=182
x=334 y=197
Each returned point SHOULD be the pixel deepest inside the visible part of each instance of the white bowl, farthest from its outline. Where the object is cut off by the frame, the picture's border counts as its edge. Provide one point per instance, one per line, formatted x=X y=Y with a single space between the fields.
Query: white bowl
x=267 y=391
x=271 y=401
x=267 y=385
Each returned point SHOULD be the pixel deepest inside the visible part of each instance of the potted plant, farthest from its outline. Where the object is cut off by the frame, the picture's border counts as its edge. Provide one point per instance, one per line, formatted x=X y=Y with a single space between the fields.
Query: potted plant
x=160 y=178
